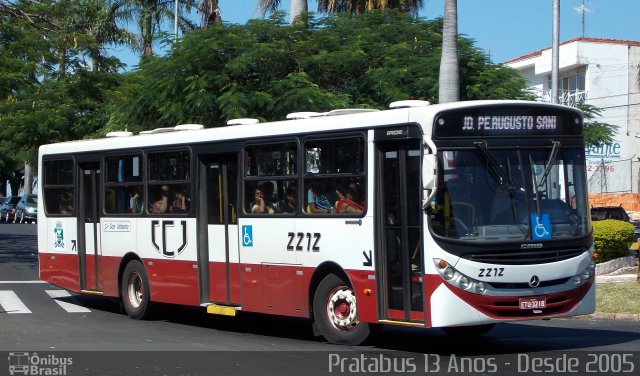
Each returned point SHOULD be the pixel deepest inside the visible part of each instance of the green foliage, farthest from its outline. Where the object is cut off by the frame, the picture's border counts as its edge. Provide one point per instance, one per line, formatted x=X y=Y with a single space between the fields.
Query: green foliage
x=268 y=68
x=611 y=239
x=596 y=133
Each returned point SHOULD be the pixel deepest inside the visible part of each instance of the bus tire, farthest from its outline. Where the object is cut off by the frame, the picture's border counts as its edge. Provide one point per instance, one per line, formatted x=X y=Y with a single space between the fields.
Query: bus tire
x=468 y=331
x=335 y=312
x=135 y=291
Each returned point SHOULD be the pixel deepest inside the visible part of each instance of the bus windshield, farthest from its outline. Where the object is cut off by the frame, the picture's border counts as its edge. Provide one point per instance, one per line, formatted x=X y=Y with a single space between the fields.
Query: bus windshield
x=488 y=195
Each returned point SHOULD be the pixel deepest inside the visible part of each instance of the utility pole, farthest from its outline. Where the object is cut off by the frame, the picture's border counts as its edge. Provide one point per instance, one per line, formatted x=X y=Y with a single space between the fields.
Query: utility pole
x=175 y=19
x=27 y=178
x=555 y=52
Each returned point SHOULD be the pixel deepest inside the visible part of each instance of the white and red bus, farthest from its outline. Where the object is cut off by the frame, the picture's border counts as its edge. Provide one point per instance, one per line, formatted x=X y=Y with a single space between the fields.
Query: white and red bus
x=457 y=216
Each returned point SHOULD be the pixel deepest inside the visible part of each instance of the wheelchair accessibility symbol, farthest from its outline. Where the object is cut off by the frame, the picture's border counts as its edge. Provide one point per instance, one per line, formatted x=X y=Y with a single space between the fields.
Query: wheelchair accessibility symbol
x=540 y=227
x=247 y=236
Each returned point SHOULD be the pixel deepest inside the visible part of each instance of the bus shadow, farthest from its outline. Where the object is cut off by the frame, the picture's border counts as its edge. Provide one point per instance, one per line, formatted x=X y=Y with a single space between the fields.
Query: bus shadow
x=505 y=338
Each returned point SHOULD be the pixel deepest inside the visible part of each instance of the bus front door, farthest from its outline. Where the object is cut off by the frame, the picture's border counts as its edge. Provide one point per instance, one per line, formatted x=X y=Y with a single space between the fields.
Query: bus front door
x=399 y=242
x=218 y=255
x=88 y=230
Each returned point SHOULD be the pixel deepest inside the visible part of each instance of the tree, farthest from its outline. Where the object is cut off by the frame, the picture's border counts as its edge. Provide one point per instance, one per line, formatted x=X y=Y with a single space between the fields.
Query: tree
x=449 y=71
x=299 y=7
x=361 y=6
x=268 y=68
x=102 y=19
x=211 y=13
x=150 y=16
x=596 y=133
x=296 y=8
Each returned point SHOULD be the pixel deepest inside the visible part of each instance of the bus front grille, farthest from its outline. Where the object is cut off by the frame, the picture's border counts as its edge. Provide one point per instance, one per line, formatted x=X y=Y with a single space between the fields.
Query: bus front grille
x=524 y=257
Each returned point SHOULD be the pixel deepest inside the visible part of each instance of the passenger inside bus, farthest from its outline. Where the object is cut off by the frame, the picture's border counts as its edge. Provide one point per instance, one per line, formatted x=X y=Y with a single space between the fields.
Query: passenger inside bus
x=179 y=204
x=289 y=204
x=351 y=203
x=66 y=203
x=162 y=204
x=261 y=203
x=321 y=197
x=135 y=202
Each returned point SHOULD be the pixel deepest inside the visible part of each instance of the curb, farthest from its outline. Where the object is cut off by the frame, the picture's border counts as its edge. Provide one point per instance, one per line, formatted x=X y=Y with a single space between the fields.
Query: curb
x=610 y=316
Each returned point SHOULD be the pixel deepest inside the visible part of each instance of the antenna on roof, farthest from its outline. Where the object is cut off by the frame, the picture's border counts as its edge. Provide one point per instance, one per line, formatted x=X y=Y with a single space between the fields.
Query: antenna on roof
x=582 y=10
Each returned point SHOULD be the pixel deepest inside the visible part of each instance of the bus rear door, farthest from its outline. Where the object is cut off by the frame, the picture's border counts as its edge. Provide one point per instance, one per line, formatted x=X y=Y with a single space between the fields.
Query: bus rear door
x=218 y=228
x=88 y=230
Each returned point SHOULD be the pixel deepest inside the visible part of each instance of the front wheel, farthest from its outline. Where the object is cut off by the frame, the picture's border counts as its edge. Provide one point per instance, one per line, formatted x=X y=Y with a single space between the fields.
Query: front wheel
x=135 y=291
x=335 y=311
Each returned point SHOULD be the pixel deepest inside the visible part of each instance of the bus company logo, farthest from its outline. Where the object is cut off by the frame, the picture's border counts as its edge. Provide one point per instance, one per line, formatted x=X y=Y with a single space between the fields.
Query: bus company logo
x=58 y=235
x=168 y=230
x=395 y=132
x=24 y=363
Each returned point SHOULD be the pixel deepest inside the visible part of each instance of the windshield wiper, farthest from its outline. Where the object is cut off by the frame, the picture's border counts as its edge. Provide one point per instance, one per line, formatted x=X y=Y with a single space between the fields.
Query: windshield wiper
x=547 y=169
x=535 y=185
x=504 y=180
x=549 y=163
x=496 y=169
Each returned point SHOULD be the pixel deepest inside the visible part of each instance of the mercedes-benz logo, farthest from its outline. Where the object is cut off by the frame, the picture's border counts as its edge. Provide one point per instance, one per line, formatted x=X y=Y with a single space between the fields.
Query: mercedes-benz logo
x=534 y=281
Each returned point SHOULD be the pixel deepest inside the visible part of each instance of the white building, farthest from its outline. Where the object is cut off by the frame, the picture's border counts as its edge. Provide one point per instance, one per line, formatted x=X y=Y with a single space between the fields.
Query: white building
x=603 y=73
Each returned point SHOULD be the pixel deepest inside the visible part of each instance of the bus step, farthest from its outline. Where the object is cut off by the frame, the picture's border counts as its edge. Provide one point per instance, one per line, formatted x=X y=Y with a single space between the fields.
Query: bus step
x=215 y=309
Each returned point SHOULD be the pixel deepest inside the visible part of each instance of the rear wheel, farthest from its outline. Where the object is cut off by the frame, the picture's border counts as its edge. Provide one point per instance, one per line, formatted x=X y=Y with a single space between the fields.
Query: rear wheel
x=335 y=311
x=135 y=291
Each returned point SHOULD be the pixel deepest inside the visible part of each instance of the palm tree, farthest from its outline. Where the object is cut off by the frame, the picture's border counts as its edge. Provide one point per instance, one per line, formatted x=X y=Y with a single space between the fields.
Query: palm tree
x=362 y=6
x=104 y=30
x=150 y=16
x=297 y=7
x=449 y=90
x=211 y=13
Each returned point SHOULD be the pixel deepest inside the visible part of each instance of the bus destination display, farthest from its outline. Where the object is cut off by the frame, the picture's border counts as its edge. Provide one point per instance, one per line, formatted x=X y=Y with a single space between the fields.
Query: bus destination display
x=513 y=123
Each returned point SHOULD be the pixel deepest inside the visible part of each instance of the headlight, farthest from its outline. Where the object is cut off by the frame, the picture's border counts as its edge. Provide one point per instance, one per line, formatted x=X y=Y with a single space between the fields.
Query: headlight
x=29 y=209
x=465 y=282
x=455 y=278
x=449 y=273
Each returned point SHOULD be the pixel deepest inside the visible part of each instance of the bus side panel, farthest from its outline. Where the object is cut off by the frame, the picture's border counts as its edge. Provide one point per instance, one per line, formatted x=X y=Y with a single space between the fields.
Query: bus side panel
x=273 y=282
x=364 y=286
x=109 y=266
x=251 y=288
x=60 y=270
x=284 y=290
x=173 y=281
x=58 y=253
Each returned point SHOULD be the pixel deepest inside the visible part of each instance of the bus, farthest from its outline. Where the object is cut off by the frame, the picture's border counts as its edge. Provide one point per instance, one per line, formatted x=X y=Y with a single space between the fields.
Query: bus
x=457 y=216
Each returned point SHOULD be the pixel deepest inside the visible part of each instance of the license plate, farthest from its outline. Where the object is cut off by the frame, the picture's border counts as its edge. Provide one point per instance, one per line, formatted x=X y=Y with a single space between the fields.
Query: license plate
x=533 y=303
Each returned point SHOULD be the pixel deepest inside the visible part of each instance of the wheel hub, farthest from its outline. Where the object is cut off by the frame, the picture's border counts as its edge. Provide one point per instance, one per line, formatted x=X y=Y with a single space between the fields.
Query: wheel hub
x=342 y=309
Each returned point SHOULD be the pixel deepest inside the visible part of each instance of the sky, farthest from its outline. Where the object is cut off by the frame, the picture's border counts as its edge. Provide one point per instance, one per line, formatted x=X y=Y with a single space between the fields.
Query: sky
x=505 y=29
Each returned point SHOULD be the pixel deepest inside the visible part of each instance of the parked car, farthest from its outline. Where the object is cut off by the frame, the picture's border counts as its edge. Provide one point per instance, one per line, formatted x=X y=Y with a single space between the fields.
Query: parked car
x=26 y=209
x=599 y=213
x=8 y=208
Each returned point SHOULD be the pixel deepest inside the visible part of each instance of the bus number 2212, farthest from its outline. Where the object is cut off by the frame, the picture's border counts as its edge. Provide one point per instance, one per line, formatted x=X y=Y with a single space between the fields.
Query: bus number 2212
x=301 y=236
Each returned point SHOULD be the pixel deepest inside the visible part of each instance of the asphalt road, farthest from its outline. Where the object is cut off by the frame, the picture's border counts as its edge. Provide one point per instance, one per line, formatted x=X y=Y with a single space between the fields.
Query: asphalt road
x=99 y=339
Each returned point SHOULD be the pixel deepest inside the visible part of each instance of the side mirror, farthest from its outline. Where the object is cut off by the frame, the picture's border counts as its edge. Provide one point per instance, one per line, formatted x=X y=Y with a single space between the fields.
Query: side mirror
x=429 y=172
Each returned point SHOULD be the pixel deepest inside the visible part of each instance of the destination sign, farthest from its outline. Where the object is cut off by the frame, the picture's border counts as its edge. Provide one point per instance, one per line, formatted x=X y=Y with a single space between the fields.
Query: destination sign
x=507 y=121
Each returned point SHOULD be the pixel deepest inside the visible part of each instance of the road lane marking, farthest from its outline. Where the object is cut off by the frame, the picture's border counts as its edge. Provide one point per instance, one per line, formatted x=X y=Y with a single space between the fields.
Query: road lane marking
x=11 y=303
x=69 y=307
